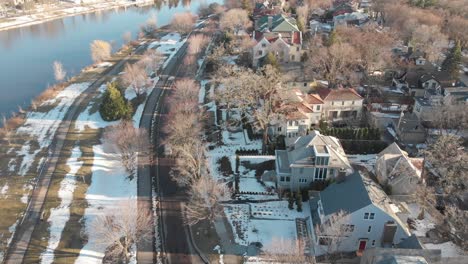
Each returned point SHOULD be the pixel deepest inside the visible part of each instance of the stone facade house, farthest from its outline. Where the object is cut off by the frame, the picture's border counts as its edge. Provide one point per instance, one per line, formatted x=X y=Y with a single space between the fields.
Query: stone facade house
x=395 y=169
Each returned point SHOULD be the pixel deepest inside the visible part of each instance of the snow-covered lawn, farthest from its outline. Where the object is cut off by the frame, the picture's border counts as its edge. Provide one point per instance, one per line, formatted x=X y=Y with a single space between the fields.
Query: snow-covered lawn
x=43 y=125
x=412 y=210
x=449 y=249
x=272 y=220
x=367 y=161
x=232 y=142
x=278 y=210
x=422 y=226
x=247 y=180
x=202 y=92
x=109 y=186
x=231 y=60
x=59 y=216
x=168 y=45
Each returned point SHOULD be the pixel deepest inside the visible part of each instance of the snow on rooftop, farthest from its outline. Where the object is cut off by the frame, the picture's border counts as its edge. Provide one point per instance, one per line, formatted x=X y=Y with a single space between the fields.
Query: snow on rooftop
x=367 y=160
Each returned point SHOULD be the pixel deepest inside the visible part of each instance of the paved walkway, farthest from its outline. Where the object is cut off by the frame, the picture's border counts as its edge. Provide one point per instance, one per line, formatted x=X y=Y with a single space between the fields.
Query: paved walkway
x=19 y=245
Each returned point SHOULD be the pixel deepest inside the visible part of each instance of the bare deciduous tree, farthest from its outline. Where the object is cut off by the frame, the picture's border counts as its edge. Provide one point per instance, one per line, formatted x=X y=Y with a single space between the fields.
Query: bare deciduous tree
x=206 y=195
x=430 y=40
x=332 y=233
x=258 y=93
x=451 y=117
x=100 y=50
x=314 y=4
x=335 y=64
x=135 y=76
x=128 y=142
x=121 y=228
x=183 y=22
x=152 y=59
x=372 y=47
x=450 y=159
x=127 y=37
x=150 y=26
x=197 y=43
x=59 y=71
x=235 y=20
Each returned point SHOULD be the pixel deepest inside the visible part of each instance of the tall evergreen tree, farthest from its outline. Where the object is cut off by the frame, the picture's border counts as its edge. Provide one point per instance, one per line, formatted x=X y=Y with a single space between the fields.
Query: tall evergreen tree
x=453 y=60
x=299 y=201
x=113 y=105
x=290 y=201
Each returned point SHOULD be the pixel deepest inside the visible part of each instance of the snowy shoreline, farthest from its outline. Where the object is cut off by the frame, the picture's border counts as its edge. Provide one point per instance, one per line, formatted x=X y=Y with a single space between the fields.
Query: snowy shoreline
x=29 y=20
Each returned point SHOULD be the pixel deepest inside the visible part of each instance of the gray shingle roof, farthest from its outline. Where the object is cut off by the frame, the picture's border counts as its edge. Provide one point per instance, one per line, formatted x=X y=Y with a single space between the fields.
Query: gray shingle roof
x=349 y=195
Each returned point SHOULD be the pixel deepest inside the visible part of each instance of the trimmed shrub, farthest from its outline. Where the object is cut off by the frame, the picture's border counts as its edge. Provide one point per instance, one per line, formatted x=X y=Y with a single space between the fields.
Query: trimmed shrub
x=225 y=166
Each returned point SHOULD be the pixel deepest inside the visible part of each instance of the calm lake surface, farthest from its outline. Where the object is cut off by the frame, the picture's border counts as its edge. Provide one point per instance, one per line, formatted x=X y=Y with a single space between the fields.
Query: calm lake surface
x=27 y=53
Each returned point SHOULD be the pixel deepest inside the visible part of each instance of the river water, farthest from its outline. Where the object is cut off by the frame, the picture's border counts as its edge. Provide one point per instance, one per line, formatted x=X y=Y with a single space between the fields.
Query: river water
x=27 y=53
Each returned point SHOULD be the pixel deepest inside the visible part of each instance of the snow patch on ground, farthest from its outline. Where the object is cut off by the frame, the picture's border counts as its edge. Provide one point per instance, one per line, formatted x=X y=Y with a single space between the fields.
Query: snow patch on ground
x=202 y=92
x=12 y=165
x=4 y=189
x=424 y=225
x=263 y=222
x=232 y=142
x=168 y=45
x=59 y=216
x=449 y=249
x=44 y=125
x=130 y=93
x=28 y=158
x=137 y=115
x=367 y=161
x=231 y=60
x=94 y=120
x=103 y=64
x=109 y=185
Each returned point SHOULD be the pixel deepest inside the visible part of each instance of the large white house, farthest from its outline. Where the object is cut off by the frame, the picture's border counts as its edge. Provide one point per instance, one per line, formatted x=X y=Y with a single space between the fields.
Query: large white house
x=314 y=157
x=371 y=222
x=343 y=104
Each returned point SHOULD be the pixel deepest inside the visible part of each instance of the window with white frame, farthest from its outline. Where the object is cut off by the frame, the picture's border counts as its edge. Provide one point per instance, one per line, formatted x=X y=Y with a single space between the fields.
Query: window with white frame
x=369 y=229
x=302 y=180
x=369 y=216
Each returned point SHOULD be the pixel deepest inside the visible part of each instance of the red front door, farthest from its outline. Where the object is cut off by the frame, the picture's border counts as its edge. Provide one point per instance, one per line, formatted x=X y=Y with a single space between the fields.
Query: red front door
x=362 y=245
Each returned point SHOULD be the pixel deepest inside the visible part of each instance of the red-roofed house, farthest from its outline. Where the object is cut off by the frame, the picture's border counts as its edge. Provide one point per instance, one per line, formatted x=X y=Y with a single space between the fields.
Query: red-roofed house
x=327 y=104
x=341 y=104
x=300 y=116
